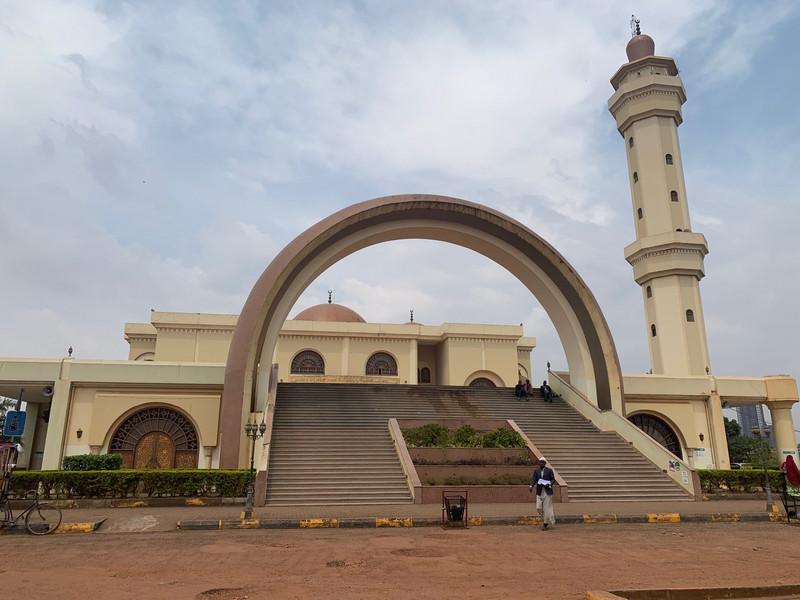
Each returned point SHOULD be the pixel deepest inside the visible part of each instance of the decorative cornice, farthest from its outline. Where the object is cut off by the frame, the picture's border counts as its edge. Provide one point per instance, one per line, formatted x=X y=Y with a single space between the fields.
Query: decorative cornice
x=653 y=253
x=627 y=99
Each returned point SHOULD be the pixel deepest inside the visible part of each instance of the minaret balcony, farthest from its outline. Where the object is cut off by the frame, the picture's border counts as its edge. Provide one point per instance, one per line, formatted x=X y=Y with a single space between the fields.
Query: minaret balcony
x=665 y=254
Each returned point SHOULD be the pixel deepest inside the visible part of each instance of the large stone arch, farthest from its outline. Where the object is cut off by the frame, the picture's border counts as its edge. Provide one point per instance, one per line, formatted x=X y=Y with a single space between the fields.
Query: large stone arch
x=591 y=356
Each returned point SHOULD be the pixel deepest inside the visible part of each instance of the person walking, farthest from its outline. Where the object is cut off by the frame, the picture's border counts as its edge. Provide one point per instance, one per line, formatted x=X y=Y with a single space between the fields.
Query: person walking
x=543 y=478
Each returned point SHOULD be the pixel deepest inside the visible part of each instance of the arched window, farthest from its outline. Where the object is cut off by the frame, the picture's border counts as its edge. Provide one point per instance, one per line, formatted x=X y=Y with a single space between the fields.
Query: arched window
x=156 y=438
x=482 y=382
x=659 y=430
x=307 y=362
x=679 y=229
x=635 y=177
x=668 y=157
x=630 y=142
x=425 y=375
x=653 y=330
x=649 y=292
x=673 y=196
x=690 y=315
x=639 y=212
x=381 y=363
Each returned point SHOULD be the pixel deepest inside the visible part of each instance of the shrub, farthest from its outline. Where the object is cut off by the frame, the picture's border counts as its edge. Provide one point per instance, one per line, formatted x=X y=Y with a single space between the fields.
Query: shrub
x=439 y=436
x=431 y=434
x=130 y=483
x=92 y=462
x=466 y=437
x=739 y=480
x=502 y=438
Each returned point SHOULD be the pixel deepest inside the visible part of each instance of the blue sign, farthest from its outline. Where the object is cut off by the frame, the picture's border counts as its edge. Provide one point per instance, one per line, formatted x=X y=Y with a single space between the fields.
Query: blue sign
x=15 y=423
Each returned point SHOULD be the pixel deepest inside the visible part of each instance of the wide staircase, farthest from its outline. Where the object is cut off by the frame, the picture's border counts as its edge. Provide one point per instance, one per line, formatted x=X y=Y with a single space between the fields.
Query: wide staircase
x=331 y=443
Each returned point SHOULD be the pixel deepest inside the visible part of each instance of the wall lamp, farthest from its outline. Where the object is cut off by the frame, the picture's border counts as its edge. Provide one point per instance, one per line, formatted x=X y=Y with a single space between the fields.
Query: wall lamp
x=79 y=433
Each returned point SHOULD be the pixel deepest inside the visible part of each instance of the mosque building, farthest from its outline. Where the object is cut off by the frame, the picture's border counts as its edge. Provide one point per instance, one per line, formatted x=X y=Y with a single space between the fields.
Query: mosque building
x=193 y=380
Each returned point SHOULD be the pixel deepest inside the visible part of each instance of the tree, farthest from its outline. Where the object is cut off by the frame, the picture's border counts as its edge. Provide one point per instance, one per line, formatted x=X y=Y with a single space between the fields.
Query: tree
x=732 y=428
x=740 y=449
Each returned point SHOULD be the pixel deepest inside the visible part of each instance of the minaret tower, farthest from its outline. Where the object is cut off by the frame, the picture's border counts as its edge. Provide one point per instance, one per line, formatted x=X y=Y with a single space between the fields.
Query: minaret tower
x=667 y=257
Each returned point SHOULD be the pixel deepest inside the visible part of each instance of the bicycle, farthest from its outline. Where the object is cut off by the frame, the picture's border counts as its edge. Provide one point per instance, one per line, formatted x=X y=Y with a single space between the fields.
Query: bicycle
x=41 y=518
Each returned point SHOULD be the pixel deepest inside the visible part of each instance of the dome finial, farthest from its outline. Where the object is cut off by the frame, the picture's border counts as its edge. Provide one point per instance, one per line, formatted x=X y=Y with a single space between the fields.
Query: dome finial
x=635 y=29
x=412 y=315
x=330 y=294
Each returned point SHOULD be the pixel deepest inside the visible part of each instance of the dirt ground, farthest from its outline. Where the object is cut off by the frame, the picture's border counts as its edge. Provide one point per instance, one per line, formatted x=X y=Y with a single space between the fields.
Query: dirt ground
x=419 y=563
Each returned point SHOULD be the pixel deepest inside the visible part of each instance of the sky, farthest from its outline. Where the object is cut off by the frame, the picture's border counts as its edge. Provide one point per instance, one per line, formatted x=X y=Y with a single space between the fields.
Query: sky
x=159 y=155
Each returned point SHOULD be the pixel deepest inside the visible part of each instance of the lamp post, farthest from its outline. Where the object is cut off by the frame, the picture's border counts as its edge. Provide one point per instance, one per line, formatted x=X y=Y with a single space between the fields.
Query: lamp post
x=762 y=433
x=254 y=432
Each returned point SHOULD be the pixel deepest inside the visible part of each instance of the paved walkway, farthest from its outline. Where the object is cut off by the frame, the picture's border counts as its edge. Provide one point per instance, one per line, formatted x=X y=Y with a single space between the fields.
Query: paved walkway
x=143 y=519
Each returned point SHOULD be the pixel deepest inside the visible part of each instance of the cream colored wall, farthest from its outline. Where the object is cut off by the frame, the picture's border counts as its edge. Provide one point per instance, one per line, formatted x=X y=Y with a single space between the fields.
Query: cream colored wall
x=213 y=346
x=175 y=346
x=97 y=412
x=466 y=357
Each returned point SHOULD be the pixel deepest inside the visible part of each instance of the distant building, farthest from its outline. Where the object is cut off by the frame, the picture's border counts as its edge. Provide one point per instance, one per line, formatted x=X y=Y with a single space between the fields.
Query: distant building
x=750 y=417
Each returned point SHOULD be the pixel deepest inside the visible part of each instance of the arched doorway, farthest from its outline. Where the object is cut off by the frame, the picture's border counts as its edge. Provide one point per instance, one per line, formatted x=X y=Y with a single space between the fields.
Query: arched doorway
x=156 y=438
x=659 y=430
x=482 y=382
x=588 y=345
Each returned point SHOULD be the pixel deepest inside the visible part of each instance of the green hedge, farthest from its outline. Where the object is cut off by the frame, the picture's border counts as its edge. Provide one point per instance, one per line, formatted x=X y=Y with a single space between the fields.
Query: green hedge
x=130 y=483
x=739 y=480
x=433 y=435
x=92 y=462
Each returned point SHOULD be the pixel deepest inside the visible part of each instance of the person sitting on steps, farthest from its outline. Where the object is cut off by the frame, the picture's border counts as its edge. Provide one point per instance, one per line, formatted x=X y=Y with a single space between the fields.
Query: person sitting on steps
x=519 y=390
x=547 y=393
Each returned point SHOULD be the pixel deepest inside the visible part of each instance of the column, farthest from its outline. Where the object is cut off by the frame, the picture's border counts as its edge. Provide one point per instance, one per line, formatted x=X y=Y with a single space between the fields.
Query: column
x=783 y=429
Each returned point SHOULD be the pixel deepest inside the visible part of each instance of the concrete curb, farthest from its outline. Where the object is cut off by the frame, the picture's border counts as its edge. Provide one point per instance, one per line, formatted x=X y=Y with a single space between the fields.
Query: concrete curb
x=64 y=528
x=379 y=522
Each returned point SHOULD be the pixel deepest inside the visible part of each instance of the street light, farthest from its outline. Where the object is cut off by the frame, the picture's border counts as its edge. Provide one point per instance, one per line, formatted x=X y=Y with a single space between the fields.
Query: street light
x=254 y=431
x=762 y=433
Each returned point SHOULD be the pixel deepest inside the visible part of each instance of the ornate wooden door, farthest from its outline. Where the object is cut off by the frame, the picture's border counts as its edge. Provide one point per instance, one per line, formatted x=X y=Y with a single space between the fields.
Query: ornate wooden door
x=154 y=450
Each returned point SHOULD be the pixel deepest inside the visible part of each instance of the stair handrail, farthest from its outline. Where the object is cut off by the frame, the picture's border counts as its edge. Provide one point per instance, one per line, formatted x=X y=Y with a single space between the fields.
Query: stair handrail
x=609 y=420
x=266 y=441
x=412 y=479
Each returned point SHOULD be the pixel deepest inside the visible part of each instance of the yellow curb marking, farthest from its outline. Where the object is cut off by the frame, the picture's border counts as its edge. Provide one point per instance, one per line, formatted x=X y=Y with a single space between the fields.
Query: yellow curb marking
x=725 y=517
x=75 y=528
x=663 y=518
x=386 y=522
x=195 y=502
x=600 y=519
x=475 y=521
x=248 y=524
x=777 y=517
x=529 y=521
x=313 y=523
x=124 y=504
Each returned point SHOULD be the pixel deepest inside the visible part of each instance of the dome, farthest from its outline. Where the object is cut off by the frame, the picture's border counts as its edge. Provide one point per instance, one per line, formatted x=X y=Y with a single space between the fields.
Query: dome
x=640 y=46
x=332 y=313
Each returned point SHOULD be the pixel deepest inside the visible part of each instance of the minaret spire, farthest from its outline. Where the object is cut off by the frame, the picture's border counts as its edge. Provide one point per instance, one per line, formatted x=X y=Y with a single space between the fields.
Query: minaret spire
x=635 y=29
x=330 y=295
